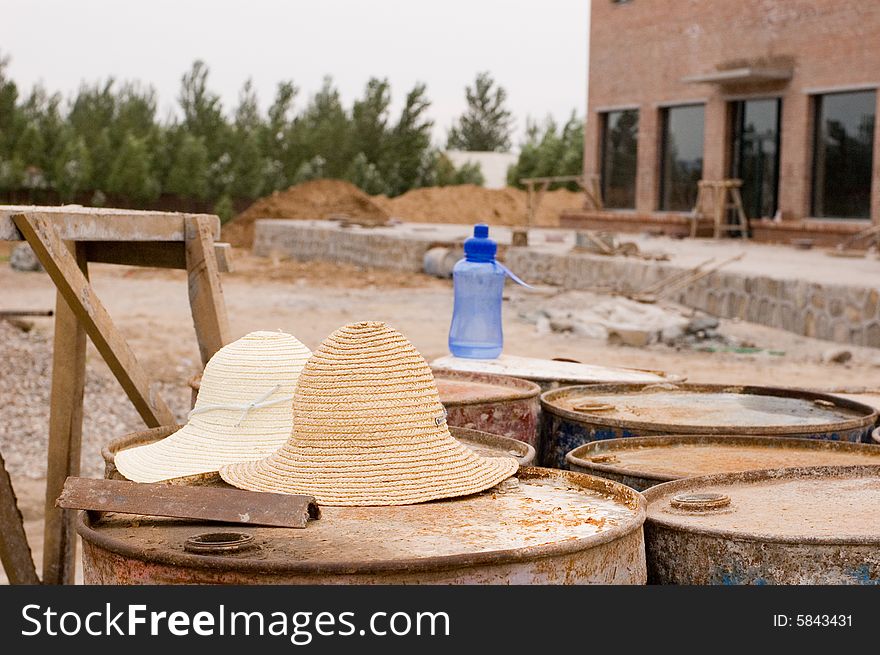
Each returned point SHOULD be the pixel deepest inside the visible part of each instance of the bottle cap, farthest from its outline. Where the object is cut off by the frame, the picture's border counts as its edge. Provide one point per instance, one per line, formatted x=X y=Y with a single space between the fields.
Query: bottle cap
x=480 y=248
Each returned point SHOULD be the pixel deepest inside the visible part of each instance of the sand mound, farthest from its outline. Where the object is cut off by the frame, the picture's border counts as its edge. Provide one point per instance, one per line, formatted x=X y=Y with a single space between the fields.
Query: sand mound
x=473 y=204
x=466 y=204
x=317 y=199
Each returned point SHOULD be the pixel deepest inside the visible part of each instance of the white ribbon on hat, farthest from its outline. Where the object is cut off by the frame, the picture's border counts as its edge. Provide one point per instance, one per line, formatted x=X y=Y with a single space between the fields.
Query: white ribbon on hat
x=258 y=403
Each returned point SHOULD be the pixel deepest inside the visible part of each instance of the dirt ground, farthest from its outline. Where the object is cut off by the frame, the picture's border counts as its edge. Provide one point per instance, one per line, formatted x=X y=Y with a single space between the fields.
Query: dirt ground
x=310 y=300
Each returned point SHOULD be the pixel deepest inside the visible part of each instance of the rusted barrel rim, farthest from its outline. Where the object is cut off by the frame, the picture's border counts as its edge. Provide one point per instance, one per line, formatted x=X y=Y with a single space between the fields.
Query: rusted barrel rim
x=581 y=456
x=669 y=489
x=633 y=499
x=524 y=452
x=518 y=388
x=868 y=418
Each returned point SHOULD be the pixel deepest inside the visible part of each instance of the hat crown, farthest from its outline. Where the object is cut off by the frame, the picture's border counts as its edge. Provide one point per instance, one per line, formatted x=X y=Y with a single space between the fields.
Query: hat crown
x=366 y=381
x=246 y=368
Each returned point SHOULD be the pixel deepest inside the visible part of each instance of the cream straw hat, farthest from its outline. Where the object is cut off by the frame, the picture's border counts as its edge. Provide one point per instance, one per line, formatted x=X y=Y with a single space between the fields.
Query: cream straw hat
x=369 y=429
x=243 y=412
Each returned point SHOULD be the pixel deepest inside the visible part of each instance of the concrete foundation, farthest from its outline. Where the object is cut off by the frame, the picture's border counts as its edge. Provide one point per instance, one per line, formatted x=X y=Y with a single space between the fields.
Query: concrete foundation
x=808 y=293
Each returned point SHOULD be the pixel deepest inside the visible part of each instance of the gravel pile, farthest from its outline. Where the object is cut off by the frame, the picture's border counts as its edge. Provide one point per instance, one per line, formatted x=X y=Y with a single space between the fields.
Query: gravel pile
x=25 y=386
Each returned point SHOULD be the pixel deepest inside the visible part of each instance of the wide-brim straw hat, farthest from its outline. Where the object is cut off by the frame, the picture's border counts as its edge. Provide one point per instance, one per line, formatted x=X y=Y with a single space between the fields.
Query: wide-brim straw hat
x=243 y=412
x=369 y=429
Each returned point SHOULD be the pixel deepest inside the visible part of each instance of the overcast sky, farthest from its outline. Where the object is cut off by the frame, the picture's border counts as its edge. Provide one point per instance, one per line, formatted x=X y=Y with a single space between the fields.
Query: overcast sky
x=537 y=50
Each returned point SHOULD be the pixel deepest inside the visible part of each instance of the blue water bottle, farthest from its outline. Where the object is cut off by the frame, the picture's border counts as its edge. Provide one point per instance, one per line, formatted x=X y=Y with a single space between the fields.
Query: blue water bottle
x=478 y=281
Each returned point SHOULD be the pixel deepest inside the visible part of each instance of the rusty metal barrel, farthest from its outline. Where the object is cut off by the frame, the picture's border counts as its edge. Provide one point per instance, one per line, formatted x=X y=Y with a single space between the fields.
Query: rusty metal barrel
x=574 y=416
x=642 y=462
x=490 y=403
x=541 y=527
x=489 y=445
x=816 y=525
x=553 y=373
x=479 y=401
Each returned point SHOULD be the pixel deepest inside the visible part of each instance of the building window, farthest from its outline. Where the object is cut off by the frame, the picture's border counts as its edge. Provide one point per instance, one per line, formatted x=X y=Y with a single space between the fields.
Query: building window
x=755 y=154
x=843 y=153
x=620 y=131
x=681 y=157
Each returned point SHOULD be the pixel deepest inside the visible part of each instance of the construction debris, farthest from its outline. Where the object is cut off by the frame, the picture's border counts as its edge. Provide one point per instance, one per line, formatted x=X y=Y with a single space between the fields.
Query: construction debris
x=622 y=321
x=606 y=243
x=23 y=259
x=680 y=280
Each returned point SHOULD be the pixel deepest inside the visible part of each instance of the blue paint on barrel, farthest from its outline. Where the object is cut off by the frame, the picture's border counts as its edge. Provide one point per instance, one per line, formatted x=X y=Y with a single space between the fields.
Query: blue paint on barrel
x=563 y=430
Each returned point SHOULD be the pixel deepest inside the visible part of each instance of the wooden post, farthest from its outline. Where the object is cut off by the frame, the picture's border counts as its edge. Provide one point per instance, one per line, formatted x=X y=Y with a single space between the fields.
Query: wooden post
x=93 y=316
x=65 y=431
x=205 y=294
x=15 y=554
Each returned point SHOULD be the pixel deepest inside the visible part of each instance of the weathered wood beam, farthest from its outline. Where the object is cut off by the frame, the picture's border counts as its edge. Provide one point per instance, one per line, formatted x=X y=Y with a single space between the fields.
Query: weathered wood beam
x=74 y=223
x=155 y=254
x=85 y=304
x=65 y=430
x=15 y=554
x=205 y=294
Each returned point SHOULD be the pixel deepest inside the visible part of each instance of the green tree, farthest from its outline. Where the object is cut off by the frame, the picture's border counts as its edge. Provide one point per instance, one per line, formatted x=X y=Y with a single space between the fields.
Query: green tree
x=248 y=162
x=486 y=124
x=369 y=120
x=275 y=133
x=366 y=175
x=408 y=159
x=547 y=151
x=131 y=174
x=322 y=130
x=73 y=168
x=188 y=175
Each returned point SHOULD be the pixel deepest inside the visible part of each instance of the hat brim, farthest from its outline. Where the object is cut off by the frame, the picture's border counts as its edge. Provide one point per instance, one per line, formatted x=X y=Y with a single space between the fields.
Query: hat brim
x=188 y=453
x=404 y=477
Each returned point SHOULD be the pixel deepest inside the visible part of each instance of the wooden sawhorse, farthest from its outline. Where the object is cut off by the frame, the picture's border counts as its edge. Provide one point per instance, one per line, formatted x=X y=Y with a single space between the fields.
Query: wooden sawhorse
x=65 y=240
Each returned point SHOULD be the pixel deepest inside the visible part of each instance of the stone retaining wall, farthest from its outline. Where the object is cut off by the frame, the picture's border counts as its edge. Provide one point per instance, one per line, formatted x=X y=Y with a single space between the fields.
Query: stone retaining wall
x=300 y=241
x=846 y=314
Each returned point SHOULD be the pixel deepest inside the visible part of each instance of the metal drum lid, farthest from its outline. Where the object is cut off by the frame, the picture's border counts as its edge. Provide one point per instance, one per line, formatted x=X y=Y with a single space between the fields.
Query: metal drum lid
x=465 y=388
x=539 y=513
x=550 y=370
x=711 y=409
x=496 y=445
x=817 y=505
x=666 y=458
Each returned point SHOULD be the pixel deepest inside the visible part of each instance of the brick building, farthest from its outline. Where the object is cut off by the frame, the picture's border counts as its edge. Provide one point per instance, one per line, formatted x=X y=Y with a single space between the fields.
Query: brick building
x=779 y=93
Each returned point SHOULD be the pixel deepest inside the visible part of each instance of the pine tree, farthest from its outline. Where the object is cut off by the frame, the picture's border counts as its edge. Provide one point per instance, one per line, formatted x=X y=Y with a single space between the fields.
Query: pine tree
x=188 y=175
x=486 y=124
x=73 y=168
x=131 y=175
x=248 y=163
x=408 y=156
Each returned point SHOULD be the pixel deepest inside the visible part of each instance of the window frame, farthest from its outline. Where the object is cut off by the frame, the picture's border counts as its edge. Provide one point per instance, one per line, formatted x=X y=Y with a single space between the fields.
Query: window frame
x=816 y=97
x=662 y=143
x=603 y=151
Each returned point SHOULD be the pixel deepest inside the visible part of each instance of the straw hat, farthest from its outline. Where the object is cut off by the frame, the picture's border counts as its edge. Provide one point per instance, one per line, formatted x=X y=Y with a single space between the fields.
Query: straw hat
x=369 y=429
x=243 y=412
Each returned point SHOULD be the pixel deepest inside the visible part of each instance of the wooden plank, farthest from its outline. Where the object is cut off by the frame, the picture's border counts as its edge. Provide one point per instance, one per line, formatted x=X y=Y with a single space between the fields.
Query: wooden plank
x=65 y=431
x=205 y=294
x=76 y=290
x=151 y=254
x=194 y=503
x=15 y=554
x=74 y=223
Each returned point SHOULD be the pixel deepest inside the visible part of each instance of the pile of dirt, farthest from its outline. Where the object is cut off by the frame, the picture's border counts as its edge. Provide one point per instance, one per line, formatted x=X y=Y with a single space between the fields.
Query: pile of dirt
x=465 y=204
x=469 y=204
x=317 y=199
